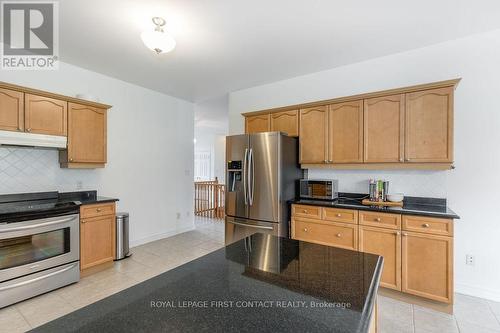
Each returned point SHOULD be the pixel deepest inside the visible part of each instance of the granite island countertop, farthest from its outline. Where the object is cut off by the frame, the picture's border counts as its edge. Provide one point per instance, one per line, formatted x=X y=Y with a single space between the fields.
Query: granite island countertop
x=85 y=197
x=259 y=284
x=432 y=207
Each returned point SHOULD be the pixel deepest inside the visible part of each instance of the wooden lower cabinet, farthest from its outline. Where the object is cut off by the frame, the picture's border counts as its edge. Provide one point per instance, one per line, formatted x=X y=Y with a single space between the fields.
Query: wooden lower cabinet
x=386 y=243
x=427 y=266
x=336 y=234
x=417 y=250
x=97 y=237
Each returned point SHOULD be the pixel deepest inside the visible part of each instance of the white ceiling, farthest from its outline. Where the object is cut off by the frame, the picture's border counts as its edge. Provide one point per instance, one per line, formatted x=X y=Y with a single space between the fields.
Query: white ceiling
x=227 y=45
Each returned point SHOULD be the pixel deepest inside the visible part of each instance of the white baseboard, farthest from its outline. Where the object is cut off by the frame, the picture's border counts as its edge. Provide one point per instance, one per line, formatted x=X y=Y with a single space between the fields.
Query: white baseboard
x=152 y=238
x=491 y=294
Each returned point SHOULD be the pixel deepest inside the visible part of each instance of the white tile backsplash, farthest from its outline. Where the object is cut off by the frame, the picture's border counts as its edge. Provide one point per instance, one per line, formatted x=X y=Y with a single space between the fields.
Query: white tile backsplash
x=37 y=170
x=409 y=182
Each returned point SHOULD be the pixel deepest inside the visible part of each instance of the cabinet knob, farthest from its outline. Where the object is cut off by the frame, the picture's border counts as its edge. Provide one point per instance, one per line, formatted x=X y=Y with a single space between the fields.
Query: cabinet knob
x=401 y=159
x=326 y=161
x=305 y=229
x=71 y=160
x=398 y=233
x=330 y=161
x=98 y=210
x=28 y=129
x=339 y=235
x=426 y=225
x=378 y=219
x=339 y=215
x=304 y=211
x=83 y=221
x=407 y=159
x=19 y=128
x=405 y=234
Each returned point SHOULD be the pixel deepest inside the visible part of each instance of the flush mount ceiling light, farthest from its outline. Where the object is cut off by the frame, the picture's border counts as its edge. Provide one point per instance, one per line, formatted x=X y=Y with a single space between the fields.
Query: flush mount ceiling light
x=157 y=39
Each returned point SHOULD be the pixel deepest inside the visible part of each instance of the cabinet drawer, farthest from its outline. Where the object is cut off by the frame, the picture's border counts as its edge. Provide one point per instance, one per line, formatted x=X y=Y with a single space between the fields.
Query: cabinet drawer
x=88 y=211
x=428 y=225
x=383 y=220
x=340 y=215
x=331 y=233
x=306 y=211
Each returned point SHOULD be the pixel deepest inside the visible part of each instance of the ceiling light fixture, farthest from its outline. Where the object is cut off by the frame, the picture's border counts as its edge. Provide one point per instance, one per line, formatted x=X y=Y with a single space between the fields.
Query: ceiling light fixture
x=157 y=39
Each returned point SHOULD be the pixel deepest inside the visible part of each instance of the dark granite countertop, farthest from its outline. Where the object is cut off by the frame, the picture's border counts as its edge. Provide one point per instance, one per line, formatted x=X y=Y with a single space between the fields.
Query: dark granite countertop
x=85 y=197
x=433 y=207
x=260 y=284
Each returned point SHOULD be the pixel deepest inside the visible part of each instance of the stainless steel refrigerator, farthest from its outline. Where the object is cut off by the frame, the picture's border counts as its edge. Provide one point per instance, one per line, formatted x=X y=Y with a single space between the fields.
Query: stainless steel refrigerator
x=261 y=171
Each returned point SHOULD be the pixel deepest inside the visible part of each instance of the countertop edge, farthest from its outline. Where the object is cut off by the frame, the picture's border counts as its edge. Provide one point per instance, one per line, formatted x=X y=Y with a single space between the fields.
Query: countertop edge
x=403 y=211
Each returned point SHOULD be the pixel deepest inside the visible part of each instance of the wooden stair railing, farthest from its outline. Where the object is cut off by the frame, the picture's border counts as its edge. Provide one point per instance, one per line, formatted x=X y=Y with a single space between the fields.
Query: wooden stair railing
x=209 y=198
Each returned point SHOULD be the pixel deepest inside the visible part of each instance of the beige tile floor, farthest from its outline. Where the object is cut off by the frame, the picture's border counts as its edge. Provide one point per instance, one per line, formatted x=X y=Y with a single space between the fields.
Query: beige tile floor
x=472 y=315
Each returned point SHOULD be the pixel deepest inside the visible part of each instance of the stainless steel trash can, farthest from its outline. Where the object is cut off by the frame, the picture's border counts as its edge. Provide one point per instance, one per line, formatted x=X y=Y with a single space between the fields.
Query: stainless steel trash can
x=122 y=247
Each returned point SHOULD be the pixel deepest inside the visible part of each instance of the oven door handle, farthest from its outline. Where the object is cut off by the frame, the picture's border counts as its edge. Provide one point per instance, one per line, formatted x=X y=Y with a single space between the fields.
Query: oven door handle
x=20 y=284
x=38 y=225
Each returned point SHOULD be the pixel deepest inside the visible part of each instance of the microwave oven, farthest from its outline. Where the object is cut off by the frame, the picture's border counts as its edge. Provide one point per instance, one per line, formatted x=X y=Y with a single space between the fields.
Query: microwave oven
x=319 y=189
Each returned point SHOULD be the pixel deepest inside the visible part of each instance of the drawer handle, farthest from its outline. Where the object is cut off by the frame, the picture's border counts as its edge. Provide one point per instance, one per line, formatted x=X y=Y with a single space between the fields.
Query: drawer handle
x=378 y=219
x=305 y=229
x=304 y=211
x=426 y=225
x=339 y=235
x=339 y=215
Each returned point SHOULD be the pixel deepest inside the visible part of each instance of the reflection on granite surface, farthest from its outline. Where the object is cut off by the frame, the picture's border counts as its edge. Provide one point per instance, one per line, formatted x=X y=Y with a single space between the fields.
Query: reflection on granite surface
x=263 y=283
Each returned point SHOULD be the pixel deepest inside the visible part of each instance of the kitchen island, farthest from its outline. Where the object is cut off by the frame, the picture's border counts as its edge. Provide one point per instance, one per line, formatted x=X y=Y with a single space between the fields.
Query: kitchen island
x=262 y=283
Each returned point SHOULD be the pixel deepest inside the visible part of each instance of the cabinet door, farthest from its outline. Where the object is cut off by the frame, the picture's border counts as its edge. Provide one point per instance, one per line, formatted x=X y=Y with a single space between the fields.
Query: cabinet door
x=11 y=110
x=345 y=132
x=313 y=135
x=427 y=266
x=429 y=126
x=45 y=115
x=257 y=124
x=286 y=121
x=386 y=243
x=97 y=240
x=384 y=129
x=86 y=134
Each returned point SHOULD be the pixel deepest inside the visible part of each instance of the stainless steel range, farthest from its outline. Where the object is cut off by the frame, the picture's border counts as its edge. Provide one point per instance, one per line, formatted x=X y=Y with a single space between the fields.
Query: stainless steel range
x=39 y=245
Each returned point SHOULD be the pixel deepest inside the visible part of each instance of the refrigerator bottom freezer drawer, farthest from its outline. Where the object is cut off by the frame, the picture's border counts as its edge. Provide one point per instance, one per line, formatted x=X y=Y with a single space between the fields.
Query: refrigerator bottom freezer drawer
x=237 y=228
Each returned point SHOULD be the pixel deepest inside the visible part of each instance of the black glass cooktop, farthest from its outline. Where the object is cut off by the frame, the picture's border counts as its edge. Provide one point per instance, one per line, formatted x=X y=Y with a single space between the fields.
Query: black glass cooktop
x=30 y=206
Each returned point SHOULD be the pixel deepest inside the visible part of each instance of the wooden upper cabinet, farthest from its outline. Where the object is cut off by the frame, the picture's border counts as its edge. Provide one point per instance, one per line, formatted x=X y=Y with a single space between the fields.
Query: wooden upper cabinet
x=286 y=121
x=45 y=115
x=427 y=266
x=313 y=135
x=384 y=129
x=386 y=243
x=429 y=126
x=11 y=110
x=345 y=133
x=86 y=134
x=257 y=124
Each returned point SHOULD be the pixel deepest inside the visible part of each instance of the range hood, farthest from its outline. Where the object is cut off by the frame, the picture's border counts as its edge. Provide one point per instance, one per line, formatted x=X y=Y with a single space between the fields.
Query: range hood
x=8 y=138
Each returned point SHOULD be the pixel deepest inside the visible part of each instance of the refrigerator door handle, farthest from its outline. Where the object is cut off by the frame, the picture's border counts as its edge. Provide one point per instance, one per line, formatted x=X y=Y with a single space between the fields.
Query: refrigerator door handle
x=251 y=178
x=245 y=171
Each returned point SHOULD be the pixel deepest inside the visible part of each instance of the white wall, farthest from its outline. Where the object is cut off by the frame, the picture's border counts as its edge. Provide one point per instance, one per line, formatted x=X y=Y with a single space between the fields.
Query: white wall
x=150 y=152
x=473 y=186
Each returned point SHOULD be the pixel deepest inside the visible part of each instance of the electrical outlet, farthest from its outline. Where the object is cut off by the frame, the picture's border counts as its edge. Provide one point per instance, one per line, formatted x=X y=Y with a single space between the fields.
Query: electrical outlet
x=469 y=259
x=178 y=216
